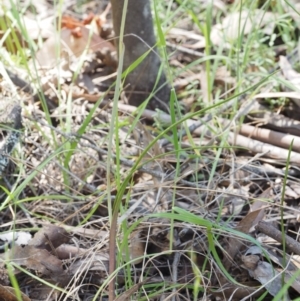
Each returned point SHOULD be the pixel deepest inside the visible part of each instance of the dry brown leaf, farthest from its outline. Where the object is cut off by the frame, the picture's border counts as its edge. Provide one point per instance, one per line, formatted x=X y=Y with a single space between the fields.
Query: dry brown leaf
x=250 y=220
x=88 y=39
x=8 y=294
x=50 y=236
x=236 y=243
x=36 y=255
x=74 y=46
x=38 y=260
x=136 y=247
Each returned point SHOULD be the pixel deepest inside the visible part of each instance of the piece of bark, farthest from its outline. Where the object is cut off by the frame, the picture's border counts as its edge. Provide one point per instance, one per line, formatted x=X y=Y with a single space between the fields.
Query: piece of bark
x=267 y=149
x=269 y=136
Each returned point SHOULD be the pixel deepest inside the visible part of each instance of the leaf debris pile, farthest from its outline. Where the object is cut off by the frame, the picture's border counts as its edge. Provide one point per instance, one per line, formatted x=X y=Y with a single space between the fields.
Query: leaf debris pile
x=203 y=218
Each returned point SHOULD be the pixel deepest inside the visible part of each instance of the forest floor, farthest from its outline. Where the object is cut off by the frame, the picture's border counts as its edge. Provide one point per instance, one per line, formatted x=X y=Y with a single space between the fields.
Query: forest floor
x=101 y=200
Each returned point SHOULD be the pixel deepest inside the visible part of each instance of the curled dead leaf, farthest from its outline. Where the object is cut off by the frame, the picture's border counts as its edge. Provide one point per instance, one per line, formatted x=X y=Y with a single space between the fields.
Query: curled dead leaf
x=50 y=236
x=8 y=294
x=265 y=273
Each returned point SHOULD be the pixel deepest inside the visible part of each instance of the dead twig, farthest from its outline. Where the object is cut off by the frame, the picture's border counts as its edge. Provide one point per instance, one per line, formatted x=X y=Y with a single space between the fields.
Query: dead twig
x=291 y=244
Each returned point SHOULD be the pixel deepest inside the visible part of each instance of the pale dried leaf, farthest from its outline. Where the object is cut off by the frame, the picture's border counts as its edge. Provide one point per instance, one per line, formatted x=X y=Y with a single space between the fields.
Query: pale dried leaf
x=276 y=256
x=93 y=262
x=39 y=28
x=293 y=8
x=19 y=238
x=264 y=273
x=224 y=77
x=292 y=76
x=204 y=86
x=73 y=46
x=236 y=24
x=296 y=260
x=88 y=233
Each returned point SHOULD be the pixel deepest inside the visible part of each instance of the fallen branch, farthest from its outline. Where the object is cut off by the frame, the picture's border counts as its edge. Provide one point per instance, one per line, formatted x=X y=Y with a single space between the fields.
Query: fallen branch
x=234 y=139
x=272 y=137
x=274 y=233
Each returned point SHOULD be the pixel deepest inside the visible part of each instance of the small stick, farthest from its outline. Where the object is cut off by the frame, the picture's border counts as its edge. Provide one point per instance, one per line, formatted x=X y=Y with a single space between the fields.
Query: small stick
x=271 y=231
